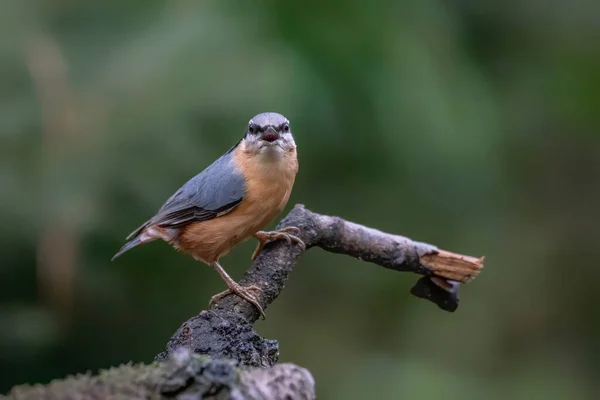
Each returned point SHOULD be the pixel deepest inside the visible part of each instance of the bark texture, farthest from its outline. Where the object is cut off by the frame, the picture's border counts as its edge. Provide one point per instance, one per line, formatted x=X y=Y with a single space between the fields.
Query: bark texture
x=225 y=331
x=185 y=376
x=218 y=355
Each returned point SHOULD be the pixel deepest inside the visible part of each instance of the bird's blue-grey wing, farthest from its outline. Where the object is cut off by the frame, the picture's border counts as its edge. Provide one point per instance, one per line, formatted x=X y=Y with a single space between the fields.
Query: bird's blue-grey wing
x=212 y=193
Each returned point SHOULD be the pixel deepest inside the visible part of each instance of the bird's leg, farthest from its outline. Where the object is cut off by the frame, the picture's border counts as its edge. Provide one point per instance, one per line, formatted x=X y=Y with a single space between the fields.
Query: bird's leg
x=234 y=287
x=290 y=234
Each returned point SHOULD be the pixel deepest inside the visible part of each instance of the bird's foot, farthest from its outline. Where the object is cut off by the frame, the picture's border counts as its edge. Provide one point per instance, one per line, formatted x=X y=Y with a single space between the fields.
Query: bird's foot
x=289 y=234
x=244 y=292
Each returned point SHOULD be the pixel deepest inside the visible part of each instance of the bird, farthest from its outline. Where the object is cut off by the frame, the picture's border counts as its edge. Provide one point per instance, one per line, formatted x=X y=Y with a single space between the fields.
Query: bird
x=230 y=201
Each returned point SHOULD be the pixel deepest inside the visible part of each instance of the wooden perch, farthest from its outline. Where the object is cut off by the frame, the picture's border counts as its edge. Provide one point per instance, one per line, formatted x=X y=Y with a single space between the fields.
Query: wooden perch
x=226 y=329
x=224 y=334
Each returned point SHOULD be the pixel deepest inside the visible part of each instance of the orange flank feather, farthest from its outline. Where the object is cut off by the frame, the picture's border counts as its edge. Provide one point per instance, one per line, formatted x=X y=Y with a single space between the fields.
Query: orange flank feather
x=268 y=187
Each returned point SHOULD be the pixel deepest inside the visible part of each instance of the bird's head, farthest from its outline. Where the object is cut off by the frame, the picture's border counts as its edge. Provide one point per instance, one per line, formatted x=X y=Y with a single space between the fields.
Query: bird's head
x=269 y=134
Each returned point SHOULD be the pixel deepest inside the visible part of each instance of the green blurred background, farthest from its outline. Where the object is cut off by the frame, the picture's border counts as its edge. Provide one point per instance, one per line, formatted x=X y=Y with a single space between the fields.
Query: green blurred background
x=470 y=125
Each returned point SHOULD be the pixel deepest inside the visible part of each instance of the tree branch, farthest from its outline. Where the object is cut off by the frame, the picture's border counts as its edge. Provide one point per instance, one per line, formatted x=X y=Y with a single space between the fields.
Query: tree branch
x=184 y=376
x=225 y=331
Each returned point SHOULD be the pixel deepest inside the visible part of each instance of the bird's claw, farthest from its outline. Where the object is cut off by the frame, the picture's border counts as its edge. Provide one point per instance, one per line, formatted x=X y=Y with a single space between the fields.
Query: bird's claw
x=244 y=293
x=289 y=234
x=292 y=230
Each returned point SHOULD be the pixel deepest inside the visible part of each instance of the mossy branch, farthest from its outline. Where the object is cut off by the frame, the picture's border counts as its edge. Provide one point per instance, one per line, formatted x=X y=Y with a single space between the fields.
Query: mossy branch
x=184 y=376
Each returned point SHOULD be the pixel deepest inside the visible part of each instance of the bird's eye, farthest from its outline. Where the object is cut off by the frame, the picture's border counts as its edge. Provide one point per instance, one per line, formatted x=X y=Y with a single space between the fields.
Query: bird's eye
x=286 y=128
x=251 y=129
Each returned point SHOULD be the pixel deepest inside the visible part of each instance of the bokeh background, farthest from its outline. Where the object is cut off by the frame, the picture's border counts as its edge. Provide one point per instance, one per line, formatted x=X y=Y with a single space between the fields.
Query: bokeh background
x=467 y=124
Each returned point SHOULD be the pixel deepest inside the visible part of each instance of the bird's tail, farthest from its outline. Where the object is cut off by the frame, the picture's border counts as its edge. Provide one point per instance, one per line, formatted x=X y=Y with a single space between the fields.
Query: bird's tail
x=128 y=246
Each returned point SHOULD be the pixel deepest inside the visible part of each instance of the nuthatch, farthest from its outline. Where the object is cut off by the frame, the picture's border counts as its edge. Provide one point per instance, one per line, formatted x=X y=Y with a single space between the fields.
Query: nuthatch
x=233 y=199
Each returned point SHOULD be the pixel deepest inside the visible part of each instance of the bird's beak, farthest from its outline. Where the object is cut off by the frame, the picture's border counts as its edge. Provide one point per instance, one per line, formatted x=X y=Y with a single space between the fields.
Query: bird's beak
x=270 y=134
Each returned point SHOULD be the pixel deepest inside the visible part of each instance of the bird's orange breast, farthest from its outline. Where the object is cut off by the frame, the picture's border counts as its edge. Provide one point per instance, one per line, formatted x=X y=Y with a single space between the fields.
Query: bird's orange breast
x=269 y=184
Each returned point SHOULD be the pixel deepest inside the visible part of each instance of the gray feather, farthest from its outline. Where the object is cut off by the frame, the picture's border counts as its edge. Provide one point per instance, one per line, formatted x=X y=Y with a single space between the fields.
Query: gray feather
x=213 y=192
x=127 y=246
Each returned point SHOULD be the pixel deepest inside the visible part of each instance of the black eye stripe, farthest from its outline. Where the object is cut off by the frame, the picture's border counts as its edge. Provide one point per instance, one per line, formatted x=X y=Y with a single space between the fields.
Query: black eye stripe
x=253 y=128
